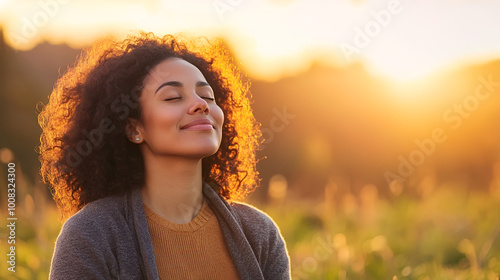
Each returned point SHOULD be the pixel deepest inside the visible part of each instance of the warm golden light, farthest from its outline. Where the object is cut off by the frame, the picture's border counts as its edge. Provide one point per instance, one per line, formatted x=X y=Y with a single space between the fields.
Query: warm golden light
x=277 y=187
x=388 y=35
x=399 y=65
x=4 y=3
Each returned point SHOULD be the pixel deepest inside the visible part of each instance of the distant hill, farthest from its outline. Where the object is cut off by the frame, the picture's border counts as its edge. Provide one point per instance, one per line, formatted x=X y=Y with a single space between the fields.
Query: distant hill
x=352 y=127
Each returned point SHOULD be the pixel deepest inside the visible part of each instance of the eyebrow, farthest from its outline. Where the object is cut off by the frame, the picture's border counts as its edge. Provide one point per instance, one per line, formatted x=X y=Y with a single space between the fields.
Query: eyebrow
x=179 y=84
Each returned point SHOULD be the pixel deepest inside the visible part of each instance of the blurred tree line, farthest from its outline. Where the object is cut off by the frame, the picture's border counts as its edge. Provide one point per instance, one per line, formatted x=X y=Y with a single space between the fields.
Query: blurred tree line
x=26 y=80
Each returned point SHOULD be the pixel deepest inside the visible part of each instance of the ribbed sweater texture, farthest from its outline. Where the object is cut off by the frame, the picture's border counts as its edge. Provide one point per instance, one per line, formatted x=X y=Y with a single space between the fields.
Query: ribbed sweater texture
x=194 y=250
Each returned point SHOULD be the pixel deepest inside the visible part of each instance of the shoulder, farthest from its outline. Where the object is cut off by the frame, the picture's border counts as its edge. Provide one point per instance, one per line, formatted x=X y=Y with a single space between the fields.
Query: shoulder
x=258 y=226
x=265 y=239
x=101 y=213
x=252 y=217
x=89 y=240
x=96 y=222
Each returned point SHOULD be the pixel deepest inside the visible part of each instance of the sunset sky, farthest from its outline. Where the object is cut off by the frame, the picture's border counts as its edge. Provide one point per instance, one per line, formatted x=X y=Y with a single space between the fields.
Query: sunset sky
x=401 y=39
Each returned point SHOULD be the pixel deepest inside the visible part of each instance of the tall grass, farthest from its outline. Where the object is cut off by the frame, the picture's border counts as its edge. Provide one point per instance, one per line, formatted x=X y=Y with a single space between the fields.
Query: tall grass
x=449 y=233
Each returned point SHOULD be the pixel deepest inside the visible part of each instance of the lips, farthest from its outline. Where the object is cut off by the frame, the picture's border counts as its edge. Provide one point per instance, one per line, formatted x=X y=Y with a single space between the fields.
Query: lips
x=199 y=124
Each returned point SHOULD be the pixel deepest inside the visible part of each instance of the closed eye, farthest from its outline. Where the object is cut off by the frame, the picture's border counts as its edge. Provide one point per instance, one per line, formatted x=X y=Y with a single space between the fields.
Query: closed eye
x=209 y=98
x=172 y=98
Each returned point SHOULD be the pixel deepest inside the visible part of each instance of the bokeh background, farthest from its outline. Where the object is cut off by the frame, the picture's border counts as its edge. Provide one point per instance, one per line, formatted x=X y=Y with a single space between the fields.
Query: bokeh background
x=381 y=157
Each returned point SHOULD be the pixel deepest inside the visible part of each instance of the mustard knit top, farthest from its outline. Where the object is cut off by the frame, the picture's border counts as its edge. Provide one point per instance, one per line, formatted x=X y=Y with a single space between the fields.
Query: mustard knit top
x=194 y=250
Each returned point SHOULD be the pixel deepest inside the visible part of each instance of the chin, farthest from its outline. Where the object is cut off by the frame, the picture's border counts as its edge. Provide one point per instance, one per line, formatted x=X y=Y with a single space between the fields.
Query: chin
x=210 y=153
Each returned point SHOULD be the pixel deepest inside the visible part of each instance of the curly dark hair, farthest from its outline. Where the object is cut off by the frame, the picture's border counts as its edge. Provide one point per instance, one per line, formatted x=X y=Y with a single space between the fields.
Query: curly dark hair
x=84 y=152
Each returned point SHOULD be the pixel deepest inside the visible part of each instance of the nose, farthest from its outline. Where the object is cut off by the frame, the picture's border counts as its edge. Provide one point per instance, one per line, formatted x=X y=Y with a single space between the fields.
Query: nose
x=199 y=105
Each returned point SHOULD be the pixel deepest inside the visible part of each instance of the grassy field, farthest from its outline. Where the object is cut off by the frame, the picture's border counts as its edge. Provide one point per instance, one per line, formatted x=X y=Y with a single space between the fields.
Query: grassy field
x=449 y=233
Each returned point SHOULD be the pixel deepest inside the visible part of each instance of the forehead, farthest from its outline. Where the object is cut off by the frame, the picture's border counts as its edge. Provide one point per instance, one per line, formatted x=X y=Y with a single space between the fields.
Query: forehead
x=173 y=69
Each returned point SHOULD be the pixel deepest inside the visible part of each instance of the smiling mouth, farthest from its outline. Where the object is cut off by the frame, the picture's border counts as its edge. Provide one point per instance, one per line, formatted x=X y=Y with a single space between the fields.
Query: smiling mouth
x=199 y=127
x=199 y=124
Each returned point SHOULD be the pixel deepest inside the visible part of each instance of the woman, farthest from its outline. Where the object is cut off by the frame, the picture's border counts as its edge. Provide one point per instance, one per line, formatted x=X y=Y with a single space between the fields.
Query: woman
x=146 y=145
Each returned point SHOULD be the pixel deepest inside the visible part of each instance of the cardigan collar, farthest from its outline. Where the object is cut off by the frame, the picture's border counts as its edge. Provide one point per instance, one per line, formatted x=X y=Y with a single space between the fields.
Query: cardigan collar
x=239 y=248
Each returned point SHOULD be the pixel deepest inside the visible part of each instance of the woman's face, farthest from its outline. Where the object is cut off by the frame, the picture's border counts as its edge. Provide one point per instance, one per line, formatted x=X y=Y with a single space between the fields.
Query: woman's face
x=179 y=113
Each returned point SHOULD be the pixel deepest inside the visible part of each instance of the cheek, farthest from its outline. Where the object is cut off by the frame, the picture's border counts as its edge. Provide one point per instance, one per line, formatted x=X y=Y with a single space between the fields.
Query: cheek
x=218 y=115
x=160 y=119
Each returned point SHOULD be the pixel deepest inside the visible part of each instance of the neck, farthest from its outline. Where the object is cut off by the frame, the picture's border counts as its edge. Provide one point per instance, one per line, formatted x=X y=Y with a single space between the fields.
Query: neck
x=173 y=188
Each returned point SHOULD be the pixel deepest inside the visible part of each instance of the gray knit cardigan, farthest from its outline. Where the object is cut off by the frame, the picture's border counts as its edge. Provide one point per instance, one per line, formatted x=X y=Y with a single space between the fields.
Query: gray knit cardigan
x=109 y=239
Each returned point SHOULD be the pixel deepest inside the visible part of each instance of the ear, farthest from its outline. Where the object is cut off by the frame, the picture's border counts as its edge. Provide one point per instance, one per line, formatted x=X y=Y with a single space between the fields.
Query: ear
x=133 y=130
